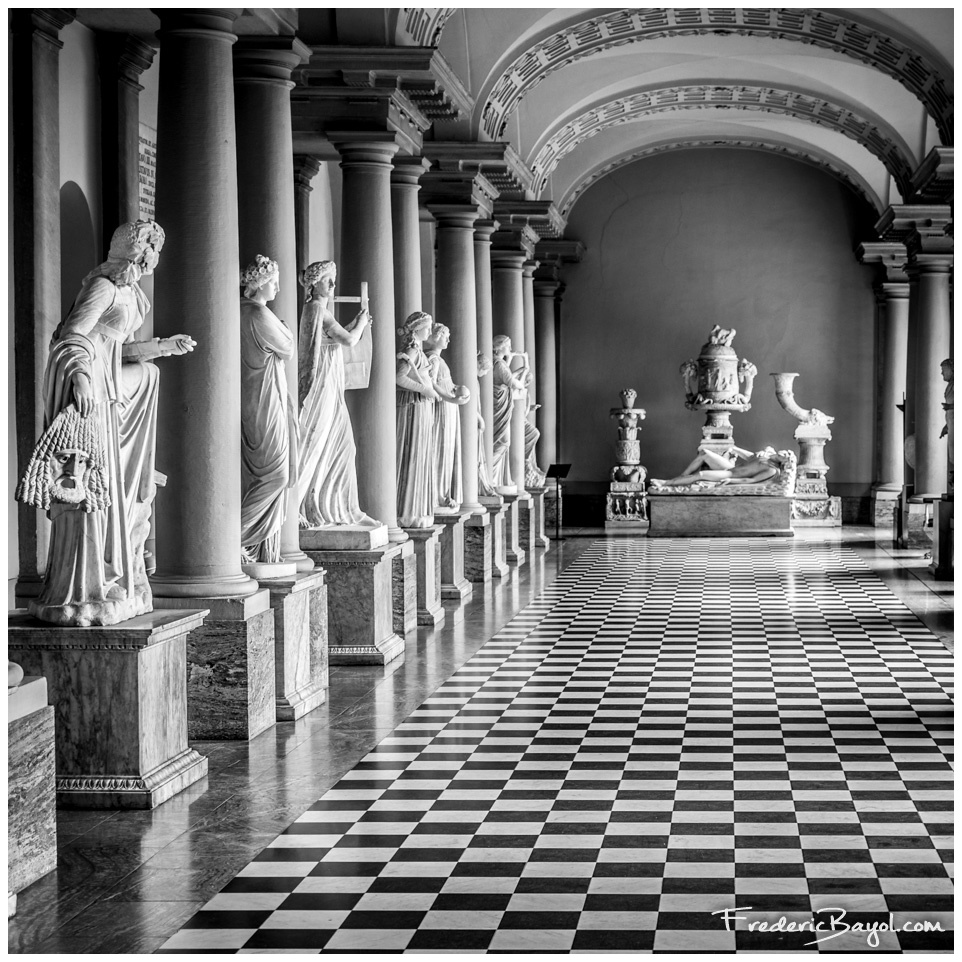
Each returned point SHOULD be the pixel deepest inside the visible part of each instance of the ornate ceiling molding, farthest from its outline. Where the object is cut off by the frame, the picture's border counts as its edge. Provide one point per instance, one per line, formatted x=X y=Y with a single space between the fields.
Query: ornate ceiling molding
x=848 y=177
x=820 y=28
x=424 y=24
x=765 y=99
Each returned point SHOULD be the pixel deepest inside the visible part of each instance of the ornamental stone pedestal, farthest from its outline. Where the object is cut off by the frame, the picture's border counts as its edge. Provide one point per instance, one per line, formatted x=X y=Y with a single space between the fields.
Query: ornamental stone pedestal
x=497 y=541
x=478 y=553
x=627 y=506
x=404 y=588
x=532 y=520
x=427 y=551
x=120 y=703
x=456 y=590
x=514 y=551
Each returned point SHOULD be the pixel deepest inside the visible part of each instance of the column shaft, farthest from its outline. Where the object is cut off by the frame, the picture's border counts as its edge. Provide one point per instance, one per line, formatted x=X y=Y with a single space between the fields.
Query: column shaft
x=530 y=343
x=483 y=229
x=893 y=331
x=198 y=513
x=407 y=236
x=544 y=333
x=305 y=169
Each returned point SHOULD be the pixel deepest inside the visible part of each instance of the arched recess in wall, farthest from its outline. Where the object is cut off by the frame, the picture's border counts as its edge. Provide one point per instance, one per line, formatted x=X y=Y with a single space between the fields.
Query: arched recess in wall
x=78 y=249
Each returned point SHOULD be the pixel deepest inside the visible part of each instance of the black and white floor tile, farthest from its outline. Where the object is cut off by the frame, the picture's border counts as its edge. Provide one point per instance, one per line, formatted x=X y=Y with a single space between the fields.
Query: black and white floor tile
x=674 y=728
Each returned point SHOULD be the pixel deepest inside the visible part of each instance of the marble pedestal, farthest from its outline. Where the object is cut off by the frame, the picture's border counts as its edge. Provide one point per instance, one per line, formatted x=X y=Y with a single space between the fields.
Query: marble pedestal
x=300 y=642
x=514 y=553
x=817 y=512
x=120 y=702
x=404 y=587
x=943 y=560
x=455 y=588
x=360 y=612
x=705 y=516
x=230 y=667
x=885 y=504
x=31 y=787
x=535 y=518
x=478 y=532
x=497 y=512
x=626 y=508
x=427 y=551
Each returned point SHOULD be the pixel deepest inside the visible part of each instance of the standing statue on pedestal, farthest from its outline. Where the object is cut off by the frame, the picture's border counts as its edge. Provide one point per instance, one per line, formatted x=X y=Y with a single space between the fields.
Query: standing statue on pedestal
x=447 y=421
x=326 y=474
x=948 y=405
x=416 y=473
x=509 y=386
x=485 y=488
x=268 y=418
x=93 y=469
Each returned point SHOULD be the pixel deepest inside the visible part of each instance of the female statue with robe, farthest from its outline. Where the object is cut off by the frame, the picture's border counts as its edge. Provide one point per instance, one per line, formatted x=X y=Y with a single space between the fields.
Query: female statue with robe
x=327 y=474
x=100 y=414
x=485 y=488
x=447 y=421
x=416 y=474
x=509 y=386
x=268 y=421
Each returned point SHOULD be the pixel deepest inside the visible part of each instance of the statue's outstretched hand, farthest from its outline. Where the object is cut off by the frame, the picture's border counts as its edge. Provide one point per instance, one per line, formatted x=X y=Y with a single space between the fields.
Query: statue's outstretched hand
x=178 y=344
x=83 y=394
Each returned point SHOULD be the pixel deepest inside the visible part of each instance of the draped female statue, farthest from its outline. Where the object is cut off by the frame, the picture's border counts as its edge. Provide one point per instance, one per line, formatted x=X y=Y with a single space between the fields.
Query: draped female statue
x=485 y=488
x=327 y=474
x=509 y=386
x=93 y=468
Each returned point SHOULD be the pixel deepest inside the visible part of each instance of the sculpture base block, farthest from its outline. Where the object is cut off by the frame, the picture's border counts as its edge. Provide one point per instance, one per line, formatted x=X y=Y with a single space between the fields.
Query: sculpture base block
x=537 y=516
x=427 y=551
x=404 y=588
x=120 y=702
x=478 y=533
x=360 y=613
x=884 y=506
x=300 y=643
x=706 y=516
x=817 y=512
x=261 y=570
x=514 y=552
x=497 y=512
x=455 y=588
x=31 y=790
x=344 y=537
x=943 y=557
x=230 y=667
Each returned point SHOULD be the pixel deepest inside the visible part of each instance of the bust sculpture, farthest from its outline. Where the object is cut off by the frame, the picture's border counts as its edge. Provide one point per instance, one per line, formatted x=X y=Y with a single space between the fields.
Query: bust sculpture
x=93 y=468
x=268 y=419
x=416 y=473
x=447 y=421
x=509 y=387
x=326 y=472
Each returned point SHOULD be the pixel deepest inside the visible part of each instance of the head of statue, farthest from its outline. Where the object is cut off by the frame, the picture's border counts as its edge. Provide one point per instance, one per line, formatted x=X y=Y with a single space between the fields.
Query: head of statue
x=68 y=465
x=484 y=364
x=416 y=327
x=440 y=336
x=948 y=366
x=319 y=278
x=262 y=275
x=501 y=345
x=138 y=242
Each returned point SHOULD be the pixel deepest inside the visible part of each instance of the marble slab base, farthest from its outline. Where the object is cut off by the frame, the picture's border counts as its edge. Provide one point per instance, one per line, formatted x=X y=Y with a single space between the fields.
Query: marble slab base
x=541 y=539
x=884 y=506
x=478 y=533
x=230 y=667
x=360 y=610
x=455 y=588
x=120 y=699
x=514 y=553
x=943 y=556
x=817 y=513
x=404 y=587
x=259 y=570
x=705 y=516
x=31 y=787
x=299 y=688
x=427 y=551
x=527 y=524
x=344 y=537
x=497 y=512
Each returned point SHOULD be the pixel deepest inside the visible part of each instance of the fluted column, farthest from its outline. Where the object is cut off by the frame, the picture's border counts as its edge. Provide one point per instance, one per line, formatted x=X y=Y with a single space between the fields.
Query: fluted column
x=405 y=177
x=35 y=202
x=545 y=294
x=483 y=229
x=367 y=254
x=265 y=195
x=305 y=170
x=198 y=443
x=457 y=308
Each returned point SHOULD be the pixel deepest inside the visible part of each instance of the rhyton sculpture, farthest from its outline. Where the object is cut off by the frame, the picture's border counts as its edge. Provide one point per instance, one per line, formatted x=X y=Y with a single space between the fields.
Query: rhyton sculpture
x=447 y=422
x=93 y=469
x=627 y=505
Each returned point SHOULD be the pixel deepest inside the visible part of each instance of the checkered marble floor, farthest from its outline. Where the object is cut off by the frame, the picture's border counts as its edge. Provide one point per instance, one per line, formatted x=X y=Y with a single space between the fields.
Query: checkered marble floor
x=672 y=729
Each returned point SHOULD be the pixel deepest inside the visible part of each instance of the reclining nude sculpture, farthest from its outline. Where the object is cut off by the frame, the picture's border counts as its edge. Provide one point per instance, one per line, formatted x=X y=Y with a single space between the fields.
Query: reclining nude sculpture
x=93 y=468
x=734 y=471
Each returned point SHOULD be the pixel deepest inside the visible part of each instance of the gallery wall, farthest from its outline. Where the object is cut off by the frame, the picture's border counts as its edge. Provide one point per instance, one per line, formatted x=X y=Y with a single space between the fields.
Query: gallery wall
x=748 y=240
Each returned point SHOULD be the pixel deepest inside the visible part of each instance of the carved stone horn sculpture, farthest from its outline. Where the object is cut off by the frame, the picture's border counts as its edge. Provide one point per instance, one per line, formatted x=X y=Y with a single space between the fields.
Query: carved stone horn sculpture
x=785 y=394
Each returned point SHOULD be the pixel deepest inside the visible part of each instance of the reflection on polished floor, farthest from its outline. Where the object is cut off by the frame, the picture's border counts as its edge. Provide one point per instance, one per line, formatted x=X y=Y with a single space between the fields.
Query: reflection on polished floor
x=555 y=745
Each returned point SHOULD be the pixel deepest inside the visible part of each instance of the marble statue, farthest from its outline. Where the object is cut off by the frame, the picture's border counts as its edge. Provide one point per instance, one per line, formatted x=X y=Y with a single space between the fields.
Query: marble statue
x=533 y=475
x=326 y=471
x=447 y=421
x=268 y=417
x=93 y=469
x=948 y=405
x=485 y=487
x=509 y=387
x=416 y=473
x=735 y=471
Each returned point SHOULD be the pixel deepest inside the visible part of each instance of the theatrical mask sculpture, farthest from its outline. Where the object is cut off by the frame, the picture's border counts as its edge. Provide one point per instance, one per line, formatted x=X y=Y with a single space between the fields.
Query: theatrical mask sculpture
x=447 y=421
x=268 y=418
x=100 y=408
x=416 y=474
x=509 y=388
x=327 y=471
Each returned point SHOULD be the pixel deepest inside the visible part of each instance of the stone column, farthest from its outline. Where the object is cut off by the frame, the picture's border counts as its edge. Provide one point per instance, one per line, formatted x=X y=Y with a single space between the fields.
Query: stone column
x=305 y=169
x=265 y=195
x=530 y=345
x=483 y=229
x=405 y=177
x=545 y=293
x=35 y=203
x=367 y=254
x=122 y=60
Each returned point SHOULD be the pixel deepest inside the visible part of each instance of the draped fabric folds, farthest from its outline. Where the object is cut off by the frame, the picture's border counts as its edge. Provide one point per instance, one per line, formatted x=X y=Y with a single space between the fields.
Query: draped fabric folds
x=501 y=438
x=447 y=439
x=416 y=473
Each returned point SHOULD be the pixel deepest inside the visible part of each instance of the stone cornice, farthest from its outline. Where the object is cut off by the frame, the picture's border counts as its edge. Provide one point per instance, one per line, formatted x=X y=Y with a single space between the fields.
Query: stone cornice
x=46 y=23
x=420 y=72
x=445 y=187
x=934 y=180
x=890 y=254
x=559 y=251
x=900 y=221
x=424 y=25
x=541 y=215
x=498 y=161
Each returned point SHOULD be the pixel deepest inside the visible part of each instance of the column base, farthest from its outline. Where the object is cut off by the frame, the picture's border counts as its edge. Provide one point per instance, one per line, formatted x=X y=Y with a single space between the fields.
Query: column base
x=478 y=533
x=497 y=511
x=121 y=706
x=344 y=537
x=816 y=512
x=541 y=539
x=514 y=552
x=404 y=587
x=885 y=503
x=300 y=671
x=360 y=616
x=263 y=570
x=303 y=563
x=230 y=668
x=427 y=551
x=455 y=588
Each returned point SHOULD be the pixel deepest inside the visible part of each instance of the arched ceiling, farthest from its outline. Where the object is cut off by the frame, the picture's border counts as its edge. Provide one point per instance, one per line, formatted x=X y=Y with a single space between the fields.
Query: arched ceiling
x=861 y=93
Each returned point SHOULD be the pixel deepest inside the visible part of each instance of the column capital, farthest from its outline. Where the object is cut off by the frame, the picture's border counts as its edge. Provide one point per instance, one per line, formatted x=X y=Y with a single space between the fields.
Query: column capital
x=890 y=254
x=408 y=171
x=454 y=216
x=504 y=259
x=357 y=147
x=514 y=239
x=892 y=291
x=498 y=162
x=46 y=23
x=484 y=228
x=901 y=220
x=210 y=22
x=124 y=57
x=934 y=180
x=306 y=168
x=546 y=286
x=529 y=267
x=268 y=59
x=930 y=249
